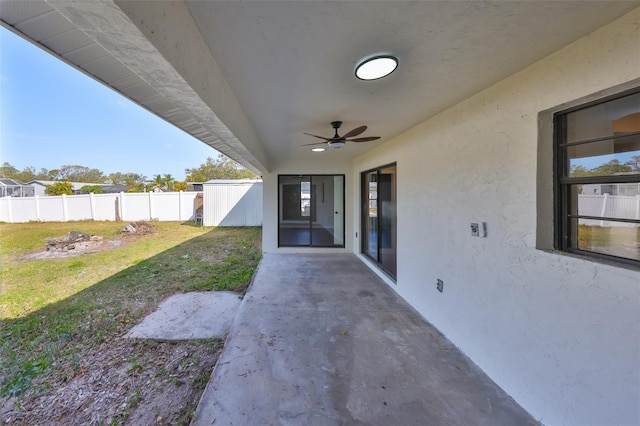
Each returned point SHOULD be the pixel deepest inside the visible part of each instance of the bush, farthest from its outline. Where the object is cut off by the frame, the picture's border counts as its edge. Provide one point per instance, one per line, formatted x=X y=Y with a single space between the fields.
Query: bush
x=60 y=188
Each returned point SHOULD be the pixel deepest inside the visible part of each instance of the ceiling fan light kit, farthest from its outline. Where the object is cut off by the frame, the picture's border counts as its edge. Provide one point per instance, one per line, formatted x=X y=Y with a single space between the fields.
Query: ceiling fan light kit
x=376 y=67
x=338 y=141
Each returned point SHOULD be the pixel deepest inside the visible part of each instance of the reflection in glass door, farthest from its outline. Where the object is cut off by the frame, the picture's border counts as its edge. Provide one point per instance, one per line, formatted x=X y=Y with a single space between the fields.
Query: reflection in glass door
x=379 y=230
x=311 y=211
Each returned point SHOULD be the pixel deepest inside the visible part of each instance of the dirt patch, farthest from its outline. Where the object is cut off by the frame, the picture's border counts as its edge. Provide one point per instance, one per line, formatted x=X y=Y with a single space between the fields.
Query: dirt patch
x=95 y=245
x=75 y=243
x=122 y=382
x=139 y=228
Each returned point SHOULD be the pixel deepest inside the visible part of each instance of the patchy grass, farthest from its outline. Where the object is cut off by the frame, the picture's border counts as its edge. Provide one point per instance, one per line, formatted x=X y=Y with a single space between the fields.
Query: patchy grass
x=614 y=240
x=56 y=313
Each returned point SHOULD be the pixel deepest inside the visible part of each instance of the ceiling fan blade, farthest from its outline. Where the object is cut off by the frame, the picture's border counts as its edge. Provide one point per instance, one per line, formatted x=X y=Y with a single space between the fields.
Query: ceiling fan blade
x=367 y=139
x=319 y=137
x=354 y=132
x=315 y=143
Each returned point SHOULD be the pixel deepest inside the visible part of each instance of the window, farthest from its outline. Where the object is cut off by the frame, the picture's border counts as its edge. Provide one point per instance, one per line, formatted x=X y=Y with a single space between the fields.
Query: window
x=597 y=176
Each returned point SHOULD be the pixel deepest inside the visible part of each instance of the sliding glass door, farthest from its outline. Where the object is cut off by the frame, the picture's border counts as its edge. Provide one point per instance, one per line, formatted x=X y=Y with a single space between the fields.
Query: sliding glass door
x=311 y=210
x=379 y=230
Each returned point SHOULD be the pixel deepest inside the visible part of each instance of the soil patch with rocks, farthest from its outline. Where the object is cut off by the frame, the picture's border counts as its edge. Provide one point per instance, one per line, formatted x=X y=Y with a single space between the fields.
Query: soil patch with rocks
x=135 y=382
x=77 y=243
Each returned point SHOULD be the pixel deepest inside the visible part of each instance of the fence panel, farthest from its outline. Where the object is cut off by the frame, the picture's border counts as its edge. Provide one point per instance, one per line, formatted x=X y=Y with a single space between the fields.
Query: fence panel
x=166 y=205
x=104 y=206
x=78 y=207
x=51 y=209
x=134 y=207
x=615 y=206
x=622 y=207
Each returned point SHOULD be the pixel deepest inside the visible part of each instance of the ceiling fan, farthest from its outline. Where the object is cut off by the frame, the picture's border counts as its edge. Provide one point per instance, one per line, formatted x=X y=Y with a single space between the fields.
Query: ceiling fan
x=338 y=141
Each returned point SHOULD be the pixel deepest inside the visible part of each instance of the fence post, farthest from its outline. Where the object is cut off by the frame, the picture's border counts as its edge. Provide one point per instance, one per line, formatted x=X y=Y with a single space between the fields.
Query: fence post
x=638 y=206
x=92 y=206
x=9 y=212
x=122 y=217
x=64 y=207
x=37 y=201
x=150 y=205
x=604 y=207
x=180 y=205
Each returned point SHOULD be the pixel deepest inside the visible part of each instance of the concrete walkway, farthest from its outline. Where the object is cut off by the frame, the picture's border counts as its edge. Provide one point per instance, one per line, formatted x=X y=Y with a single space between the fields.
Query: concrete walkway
x=321 y=340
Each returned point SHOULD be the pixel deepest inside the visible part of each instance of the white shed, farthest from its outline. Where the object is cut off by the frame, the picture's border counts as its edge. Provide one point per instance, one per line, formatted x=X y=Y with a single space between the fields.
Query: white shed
x=232 y=203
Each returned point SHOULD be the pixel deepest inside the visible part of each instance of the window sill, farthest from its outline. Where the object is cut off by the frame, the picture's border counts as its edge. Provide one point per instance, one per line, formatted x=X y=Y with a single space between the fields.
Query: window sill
x=595 y=258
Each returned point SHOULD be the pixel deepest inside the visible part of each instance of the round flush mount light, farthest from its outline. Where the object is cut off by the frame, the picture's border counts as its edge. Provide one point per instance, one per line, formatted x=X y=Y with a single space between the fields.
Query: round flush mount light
x=317 y=149
x=376 y=67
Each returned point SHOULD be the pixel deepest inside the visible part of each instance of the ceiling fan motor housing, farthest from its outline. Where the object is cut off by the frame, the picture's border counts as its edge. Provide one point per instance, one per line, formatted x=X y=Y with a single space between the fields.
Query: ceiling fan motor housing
x=336 y=143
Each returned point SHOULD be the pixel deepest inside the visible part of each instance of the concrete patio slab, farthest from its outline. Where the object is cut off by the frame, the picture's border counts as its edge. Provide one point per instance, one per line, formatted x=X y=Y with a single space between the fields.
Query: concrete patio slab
x=197 y=315
x=321 y=340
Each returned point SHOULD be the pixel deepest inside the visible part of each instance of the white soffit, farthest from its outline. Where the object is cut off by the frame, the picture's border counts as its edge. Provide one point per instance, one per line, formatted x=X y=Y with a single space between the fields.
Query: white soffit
x=280 y=69
x=46 y=27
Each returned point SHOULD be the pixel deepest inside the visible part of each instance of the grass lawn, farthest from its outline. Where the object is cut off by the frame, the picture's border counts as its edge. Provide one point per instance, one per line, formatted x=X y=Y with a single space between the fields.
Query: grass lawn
x=56 y=312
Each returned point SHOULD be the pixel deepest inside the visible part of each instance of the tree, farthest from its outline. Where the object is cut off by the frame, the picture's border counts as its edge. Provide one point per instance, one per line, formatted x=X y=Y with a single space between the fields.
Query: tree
x=26 y=175
x=580 y=171
x=613 y=167
x=634 y=163
x=180 y=186
x=60 y=188
x=158 y=182
x=134 y=180
x=76 y=173
x=8 y=171
x=168 y=182
x=221 y=168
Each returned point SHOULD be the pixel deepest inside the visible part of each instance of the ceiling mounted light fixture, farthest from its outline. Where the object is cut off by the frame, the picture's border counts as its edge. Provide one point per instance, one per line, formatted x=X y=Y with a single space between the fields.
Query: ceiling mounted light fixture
x=376 y=67
x=317 y=149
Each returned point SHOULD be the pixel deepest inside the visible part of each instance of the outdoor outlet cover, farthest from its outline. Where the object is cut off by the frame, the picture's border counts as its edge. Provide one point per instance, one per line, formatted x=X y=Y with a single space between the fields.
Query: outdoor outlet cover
x=475 y=230
x=440 y=285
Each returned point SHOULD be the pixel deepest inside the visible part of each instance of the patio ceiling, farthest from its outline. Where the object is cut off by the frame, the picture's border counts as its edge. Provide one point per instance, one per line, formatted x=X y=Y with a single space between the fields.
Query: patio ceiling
x=248 y=78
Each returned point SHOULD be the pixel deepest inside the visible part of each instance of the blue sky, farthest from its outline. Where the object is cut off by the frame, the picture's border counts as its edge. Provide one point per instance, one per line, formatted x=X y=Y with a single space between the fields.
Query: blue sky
x=52 y=115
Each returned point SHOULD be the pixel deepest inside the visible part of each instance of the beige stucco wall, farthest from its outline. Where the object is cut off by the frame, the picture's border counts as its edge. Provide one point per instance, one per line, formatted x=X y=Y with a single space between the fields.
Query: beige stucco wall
x=559 y=333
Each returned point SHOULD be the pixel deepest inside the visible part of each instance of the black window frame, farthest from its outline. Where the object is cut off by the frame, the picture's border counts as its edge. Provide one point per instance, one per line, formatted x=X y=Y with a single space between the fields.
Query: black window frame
x=563 y=202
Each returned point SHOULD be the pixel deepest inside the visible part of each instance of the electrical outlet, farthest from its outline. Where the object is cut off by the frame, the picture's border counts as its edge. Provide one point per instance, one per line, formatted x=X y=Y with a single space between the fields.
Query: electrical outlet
x=440 y=285
x=475 y=230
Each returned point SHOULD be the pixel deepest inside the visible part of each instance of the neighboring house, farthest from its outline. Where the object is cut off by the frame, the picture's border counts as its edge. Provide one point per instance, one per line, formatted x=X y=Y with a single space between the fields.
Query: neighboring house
x=40 y=187
x=113 y=189
x=194 y=186
x=479 y=123
x=626 y=189
x=13 y=188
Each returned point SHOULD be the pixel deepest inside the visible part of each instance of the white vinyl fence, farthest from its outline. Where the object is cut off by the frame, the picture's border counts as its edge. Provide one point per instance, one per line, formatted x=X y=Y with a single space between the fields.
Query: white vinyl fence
x=615 y=206
x=163 y=206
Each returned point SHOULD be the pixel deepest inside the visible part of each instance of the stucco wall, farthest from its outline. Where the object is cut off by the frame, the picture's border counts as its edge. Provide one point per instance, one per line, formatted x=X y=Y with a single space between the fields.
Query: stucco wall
x=559 y=333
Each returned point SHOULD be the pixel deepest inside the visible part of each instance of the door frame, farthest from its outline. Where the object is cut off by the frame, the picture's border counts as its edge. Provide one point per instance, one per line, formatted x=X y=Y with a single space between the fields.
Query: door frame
x=364 y=216
x=313 y=207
